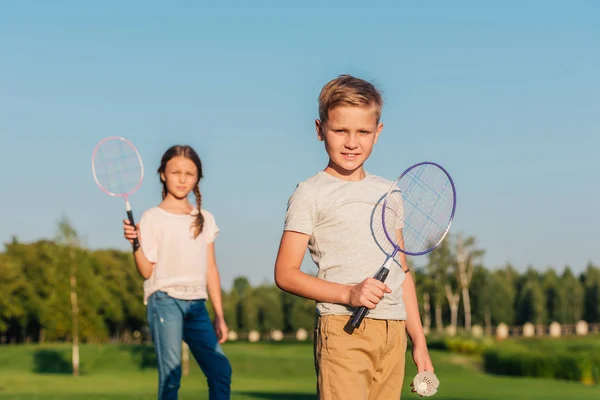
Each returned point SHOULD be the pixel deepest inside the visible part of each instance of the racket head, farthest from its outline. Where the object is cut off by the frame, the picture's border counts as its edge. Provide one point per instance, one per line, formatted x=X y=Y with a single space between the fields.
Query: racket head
x=117 y=166
x=422 y=203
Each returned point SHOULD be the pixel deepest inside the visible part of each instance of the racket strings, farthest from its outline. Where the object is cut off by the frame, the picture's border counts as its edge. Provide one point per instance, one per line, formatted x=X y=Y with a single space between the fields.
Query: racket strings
x=394 y=220
x=429 y=196
x=117 y=167
x=426 y=202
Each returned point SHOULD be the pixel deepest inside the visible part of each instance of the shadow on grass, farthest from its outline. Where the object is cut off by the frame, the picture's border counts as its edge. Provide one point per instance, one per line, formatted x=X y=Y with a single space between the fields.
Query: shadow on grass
x=52 y=362
x=143 y=355
x=277 y=396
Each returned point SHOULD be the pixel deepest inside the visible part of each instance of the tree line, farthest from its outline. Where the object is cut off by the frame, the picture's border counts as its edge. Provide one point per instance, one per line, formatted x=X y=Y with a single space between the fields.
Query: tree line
x=57 y=290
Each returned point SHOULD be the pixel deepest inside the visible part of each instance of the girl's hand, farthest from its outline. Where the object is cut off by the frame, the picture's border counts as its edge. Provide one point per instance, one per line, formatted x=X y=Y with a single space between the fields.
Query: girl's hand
x=221 y=329
x=129 y=232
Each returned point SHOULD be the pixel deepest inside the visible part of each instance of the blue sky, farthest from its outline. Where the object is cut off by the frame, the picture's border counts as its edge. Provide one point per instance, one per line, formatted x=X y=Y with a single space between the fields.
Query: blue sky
x=504 y=95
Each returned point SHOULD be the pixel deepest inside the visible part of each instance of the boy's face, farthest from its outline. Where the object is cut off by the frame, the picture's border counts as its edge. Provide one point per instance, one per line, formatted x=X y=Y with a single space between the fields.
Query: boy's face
x=349 y=136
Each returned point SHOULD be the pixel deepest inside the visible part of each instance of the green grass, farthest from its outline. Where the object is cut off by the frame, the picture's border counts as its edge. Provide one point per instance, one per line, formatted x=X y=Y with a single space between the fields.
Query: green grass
x=261 y=371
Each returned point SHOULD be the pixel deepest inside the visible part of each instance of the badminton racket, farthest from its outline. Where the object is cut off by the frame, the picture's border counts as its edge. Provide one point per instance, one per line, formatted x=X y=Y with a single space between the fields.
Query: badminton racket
x=416 y=215
x=118 y=171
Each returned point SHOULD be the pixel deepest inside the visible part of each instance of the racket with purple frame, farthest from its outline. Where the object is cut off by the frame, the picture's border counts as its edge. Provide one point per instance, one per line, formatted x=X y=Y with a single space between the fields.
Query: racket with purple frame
x=416 y=215
x=118 y=171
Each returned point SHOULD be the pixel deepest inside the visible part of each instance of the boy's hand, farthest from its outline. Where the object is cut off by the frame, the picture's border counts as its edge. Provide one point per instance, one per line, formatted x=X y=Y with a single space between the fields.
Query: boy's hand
x=129 y=232
x=367 y=293
x=421 y=359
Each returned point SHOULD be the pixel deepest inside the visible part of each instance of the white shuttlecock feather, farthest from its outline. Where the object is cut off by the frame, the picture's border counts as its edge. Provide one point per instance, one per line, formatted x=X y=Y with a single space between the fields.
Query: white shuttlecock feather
x=426 y=383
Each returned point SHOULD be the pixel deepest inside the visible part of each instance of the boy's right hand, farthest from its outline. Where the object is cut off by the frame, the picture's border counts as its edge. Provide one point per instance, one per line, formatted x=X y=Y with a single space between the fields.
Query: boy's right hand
x=129 y=232
x=368 y=293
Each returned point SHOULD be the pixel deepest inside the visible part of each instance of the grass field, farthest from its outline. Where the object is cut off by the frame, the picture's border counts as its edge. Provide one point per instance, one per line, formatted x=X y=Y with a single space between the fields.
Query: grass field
x=261 y=371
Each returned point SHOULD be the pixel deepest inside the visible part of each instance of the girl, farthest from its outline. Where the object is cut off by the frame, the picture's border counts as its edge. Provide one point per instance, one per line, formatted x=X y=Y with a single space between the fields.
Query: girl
x=177 y=260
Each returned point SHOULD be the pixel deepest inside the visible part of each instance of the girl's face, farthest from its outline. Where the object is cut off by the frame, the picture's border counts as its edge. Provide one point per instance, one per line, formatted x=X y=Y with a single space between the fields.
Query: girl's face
x=180 y=176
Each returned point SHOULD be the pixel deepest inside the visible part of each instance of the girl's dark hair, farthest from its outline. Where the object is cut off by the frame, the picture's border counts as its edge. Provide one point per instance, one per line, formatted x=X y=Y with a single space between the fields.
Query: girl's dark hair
x=190 y=154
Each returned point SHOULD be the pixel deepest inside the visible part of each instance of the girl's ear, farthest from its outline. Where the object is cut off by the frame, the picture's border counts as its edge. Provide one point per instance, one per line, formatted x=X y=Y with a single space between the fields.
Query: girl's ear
x=162 y=177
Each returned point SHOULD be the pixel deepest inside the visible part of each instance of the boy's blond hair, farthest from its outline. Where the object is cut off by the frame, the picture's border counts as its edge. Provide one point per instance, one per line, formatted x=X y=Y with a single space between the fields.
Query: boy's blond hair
x=347 y=90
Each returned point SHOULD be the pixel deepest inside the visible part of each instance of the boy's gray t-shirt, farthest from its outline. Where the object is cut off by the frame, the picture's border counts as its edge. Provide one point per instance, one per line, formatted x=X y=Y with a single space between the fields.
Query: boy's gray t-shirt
x=343 y=220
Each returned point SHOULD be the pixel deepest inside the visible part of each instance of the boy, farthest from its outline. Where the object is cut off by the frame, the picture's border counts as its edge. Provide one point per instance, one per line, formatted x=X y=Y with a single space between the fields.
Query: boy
x=330 y=213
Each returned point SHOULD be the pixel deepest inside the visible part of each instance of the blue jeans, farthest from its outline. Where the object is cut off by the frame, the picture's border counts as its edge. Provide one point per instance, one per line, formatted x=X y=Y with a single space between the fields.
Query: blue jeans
x=172 y=320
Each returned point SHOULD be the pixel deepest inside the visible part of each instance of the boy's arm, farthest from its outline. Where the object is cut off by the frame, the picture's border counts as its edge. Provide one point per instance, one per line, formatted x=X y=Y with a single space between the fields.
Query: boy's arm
x=414 y=328
x=290 y=278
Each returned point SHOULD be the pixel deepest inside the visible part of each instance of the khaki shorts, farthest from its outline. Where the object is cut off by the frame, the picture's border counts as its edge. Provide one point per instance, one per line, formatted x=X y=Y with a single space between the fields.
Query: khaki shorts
x=365 y=365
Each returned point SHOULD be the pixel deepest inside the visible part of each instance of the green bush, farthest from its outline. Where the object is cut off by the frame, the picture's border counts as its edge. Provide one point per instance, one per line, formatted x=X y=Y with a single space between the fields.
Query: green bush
x=520 y=361
x=458 y=344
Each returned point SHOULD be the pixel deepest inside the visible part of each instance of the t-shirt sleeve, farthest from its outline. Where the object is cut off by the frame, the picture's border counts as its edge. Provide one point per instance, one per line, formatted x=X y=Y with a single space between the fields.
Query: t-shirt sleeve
x=211 y=229
x=301 y=214
x=149 y=237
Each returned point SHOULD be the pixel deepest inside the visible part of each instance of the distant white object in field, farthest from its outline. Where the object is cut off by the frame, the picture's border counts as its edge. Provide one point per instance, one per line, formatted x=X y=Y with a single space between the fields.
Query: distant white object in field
x=451 y=330
x=426 y=383
x=502 y=331
x=528 y=329
x=232 y=335
x=253 y=336
x=555 y=330
x=301 y=334
x=582 y=328
x=277 y=335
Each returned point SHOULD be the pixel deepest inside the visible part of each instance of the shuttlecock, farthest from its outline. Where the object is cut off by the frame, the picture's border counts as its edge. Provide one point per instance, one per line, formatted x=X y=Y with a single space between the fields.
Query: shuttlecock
x=426 y=383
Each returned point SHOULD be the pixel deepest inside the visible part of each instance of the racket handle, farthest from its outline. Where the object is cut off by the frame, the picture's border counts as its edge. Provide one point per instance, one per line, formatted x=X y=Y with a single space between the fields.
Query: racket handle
x=136 y=243
x=358 y=316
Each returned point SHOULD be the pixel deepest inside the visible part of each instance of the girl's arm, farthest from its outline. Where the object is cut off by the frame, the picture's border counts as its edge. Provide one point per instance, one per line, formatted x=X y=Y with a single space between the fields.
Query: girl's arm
x=144 y=266
x=290 y=279
x=214 y=292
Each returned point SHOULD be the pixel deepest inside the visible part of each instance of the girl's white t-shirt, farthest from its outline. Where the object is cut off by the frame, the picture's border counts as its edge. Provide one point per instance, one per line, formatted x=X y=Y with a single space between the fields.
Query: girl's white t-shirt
x=180 y=260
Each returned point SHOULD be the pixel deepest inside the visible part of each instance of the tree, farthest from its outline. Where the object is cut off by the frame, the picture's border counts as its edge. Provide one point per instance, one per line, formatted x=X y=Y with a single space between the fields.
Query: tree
x=424 y=287
x=555 y=296
x=442 y=270
x=478 y=292
x=269 y=308
x=531 y=302
x=467 y=256
x=67 y=236
x=573 y=308
x=11 y=284
x=246 y=308
x=502 y=295
x=591 y=280
x=298 y=312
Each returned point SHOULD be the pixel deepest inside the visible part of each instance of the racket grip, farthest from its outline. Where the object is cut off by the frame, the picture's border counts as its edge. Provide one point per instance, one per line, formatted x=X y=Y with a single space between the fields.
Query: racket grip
x=358 y=316
x=136 y=243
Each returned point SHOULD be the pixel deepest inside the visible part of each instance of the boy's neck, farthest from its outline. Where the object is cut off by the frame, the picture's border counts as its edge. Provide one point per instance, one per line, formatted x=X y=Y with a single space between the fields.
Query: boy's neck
x=340 y=173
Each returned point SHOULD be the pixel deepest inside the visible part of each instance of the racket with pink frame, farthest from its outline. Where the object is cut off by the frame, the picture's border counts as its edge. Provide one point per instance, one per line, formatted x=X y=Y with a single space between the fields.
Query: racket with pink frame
x=118 y=171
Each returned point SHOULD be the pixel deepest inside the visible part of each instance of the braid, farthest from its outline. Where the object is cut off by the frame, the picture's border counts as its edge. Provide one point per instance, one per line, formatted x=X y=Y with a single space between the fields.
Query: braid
x=199 y=222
